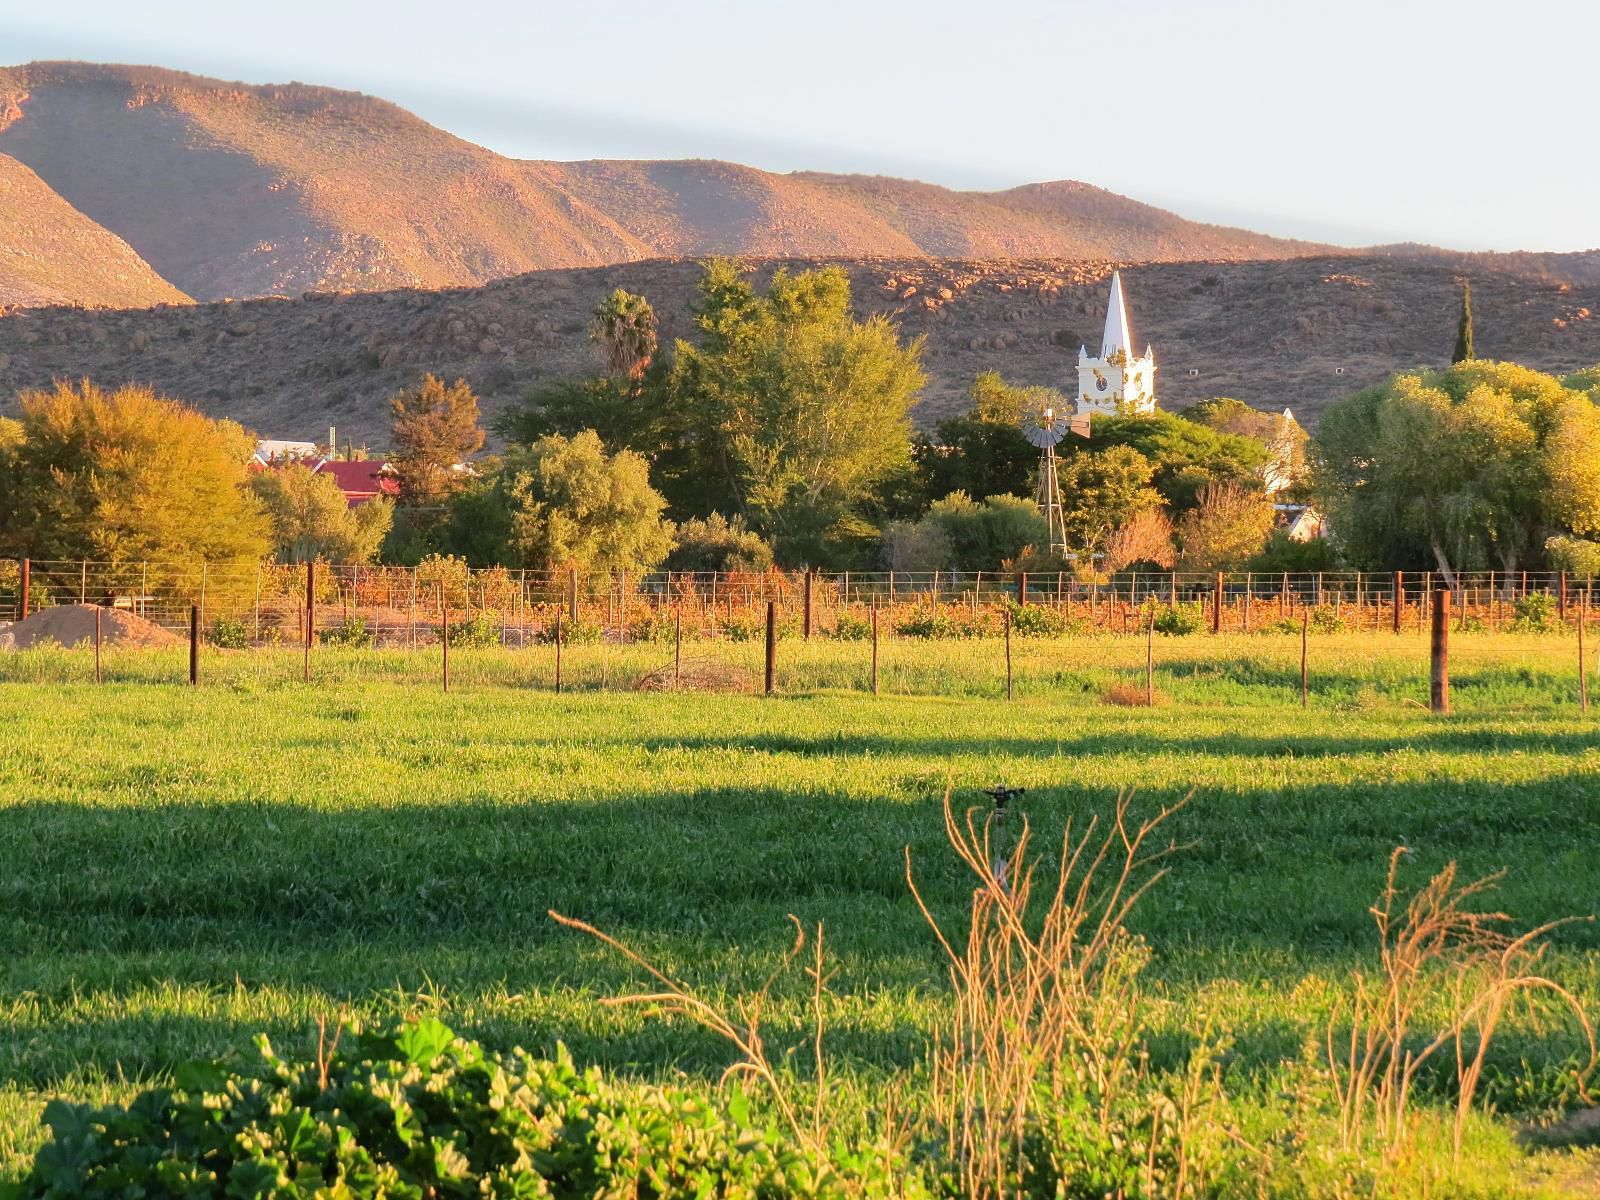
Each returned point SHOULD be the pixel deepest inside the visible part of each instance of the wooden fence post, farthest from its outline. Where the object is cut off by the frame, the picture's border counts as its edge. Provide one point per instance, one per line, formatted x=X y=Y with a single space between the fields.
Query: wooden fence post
x=558 y=651
x=1439 y=678
x=772 y=646
x=809 y=577
x=98 y=610
x=572 y=595
x=874 y=645
x=27 y=577
x=444 y=638
x=1583 y=662
x=1008 y=644
x=1561 y=596
x=1305 y=645
x=1022 y=588
x=194 y=644
x=1150 y=662
x=311 y=614
x=1216 y=606
x=1399 y=597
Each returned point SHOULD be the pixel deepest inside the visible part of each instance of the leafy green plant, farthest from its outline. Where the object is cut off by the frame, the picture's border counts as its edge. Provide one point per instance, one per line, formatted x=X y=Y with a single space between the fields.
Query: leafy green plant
x=229 y=633
x=850 y=628
x=1041 y=620
x=1535 y=613
x=579 y=633
x=415 y=1111
x=739 y=628
x=477 y=632
x=1175 y=620
x=922 y=623
x=351 y=633
x=1326 y=619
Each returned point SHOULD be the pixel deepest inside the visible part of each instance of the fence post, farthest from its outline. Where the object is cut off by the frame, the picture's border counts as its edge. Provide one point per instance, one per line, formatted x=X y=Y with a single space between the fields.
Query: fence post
x=809 y=577
x=194 y=645
x=1561 y=597
x=1583 y=662
x=1008 y=648
x=258 y=602
x=1249 y=593
x=874 y=645
x=1216 y=606
x=572 y=594
x=677 y=649
x=1439 y=679
x=1022 y=588
x=311 y=613
x=98 y=610
x=1305 y=642
x=1150 y=662
x=1399 y=597
x=83 y=581
x=444 y=639
x=558 y=651
x=27 y=574
x=772 y=645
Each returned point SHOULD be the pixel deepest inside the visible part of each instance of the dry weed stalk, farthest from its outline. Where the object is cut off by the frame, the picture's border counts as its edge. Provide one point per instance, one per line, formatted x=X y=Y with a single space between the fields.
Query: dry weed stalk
x=1436 y=934
x=1043 y=1000
x=742 y=1029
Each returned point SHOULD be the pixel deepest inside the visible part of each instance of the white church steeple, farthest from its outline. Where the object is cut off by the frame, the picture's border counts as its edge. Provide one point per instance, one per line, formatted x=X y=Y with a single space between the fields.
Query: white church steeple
x=1116 y=381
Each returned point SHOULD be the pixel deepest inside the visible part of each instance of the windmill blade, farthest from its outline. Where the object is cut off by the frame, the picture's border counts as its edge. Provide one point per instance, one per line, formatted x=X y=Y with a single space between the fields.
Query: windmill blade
x=1042 y=436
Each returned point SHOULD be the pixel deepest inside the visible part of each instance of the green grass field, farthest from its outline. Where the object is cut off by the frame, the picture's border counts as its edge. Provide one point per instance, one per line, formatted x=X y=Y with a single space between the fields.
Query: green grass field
x=180 y=868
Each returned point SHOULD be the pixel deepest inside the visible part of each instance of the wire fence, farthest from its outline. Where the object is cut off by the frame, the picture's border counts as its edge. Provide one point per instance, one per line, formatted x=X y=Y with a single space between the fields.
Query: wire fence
x=270 y=603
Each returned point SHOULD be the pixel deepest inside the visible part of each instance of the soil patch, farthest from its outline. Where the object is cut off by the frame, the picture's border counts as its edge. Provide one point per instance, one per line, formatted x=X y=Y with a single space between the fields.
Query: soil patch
x=73 y=624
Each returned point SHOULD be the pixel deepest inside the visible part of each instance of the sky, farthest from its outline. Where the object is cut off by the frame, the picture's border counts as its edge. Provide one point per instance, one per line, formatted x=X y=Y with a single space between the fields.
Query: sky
x=1453 y=122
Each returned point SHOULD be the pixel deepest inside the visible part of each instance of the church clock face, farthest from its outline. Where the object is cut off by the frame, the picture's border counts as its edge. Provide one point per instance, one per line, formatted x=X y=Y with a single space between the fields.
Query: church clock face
x=1100 y=383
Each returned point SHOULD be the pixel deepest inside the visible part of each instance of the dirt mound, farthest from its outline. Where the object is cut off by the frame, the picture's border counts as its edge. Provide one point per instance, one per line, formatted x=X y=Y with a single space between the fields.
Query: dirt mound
x=73 y=624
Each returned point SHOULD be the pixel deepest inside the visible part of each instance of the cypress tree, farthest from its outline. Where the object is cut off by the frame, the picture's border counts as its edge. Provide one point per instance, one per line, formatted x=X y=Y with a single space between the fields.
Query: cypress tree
x=1464 y=330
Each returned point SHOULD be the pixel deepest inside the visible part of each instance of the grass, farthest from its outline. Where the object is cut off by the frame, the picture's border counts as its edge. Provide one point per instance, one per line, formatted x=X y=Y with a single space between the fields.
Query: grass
x=182 y=867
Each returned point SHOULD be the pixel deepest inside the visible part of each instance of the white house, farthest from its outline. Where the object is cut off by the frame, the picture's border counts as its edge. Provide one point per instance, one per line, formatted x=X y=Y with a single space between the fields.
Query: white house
x=1116 y=381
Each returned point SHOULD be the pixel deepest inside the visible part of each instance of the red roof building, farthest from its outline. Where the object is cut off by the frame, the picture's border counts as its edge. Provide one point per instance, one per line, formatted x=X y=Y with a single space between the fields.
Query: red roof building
x=361 y=481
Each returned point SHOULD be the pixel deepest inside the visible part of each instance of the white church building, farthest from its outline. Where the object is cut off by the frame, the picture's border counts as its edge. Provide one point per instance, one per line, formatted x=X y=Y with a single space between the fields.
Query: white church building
x=1116 y=381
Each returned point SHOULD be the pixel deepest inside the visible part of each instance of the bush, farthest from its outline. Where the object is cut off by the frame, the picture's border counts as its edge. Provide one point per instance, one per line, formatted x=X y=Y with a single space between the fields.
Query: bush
x=477 y=632
x=655 y=625
x=1175 y=620
x=1326 y=619
x=415 y=1111
x=1536 y=613
x=351 y=633
x=583 y=633
x=850 y=628
x=1040 y=620
x=744 y=628
x=925 y=624
x=229 y=633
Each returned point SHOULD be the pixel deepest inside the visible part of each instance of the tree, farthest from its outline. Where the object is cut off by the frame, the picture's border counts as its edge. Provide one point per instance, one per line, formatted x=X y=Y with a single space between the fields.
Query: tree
x=435 y=428
x=1184 y=455
x=799 y=408
x=1473 y=466
x=564 y=502
x=624 y=328
x=311 y=518
x=1463 y=351
x=718 y=544
x=1102 y=490
x=126 y=476
x=982 y=452
x=1225 y=528
x=959 y=532
x=1144 y=539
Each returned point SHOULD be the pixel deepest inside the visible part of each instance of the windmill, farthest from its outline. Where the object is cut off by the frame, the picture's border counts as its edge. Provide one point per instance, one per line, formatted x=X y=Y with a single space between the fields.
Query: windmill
x=1043 y=428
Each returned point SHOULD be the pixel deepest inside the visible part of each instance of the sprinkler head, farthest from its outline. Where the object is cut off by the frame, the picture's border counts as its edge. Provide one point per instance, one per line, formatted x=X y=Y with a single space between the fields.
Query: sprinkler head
x=1002 y=796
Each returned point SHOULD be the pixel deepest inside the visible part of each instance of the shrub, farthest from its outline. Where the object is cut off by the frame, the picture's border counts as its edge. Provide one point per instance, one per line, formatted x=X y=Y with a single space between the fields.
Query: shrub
x=416 y=1111
x=925 y=624
x=744 y=628
x=1326 y=619
x=1175 y=620
x=478 y=631
x=1040 y=620
x=1536 y=613
x=229 y=633
x=850 y=628
x=654 y=625
x=581 y=633
x=352 y=633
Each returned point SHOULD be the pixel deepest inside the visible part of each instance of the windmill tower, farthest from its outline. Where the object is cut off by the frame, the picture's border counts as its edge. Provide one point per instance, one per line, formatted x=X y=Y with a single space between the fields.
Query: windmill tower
x=1044 y=429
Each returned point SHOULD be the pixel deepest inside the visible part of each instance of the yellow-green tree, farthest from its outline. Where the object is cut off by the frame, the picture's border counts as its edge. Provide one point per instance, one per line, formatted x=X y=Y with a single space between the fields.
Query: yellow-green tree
x=1475 y=466
x=127 y=476
x=311 y=518
x=1227 y=526
x=435 y=427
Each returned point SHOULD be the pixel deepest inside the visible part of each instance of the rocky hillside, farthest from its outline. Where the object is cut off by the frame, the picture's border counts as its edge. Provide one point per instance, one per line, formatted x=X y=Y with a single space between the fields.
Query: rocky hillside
x=234 y=190
x=1298 y=333
x=50 y=253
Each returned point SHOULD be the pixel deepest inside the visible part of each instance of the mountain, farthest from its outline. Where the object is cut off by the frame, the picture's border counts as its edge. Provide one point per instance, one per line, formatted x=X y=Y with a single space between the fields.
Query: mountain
x=50 y=253
x=230 y=189
x=1298 y=333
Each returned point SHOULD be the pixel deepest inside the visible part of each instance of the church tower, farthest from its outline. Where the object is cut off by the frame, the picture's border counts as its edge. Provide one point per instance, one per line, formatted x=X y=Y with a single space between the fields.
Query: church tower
x=1116 y=381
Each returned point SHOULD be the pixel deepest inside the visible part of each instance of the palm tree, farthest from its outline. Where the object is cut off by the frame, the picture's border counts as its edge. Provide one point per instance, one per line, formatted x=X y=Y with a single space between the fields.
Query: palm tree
x=624 y=328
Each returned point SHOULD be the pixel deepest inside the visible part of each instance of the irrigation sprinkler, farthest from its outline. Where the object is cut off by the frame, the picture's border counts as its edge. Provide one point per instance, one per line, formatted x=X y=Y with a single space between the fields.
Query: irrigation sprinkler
x=1002 y=797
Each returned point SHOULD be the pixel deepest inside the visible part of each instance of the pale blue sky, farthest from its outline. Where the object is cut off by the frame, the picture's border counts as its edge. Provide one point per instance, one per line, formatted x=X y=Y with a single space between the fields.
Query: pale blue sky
x=1459 y=122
